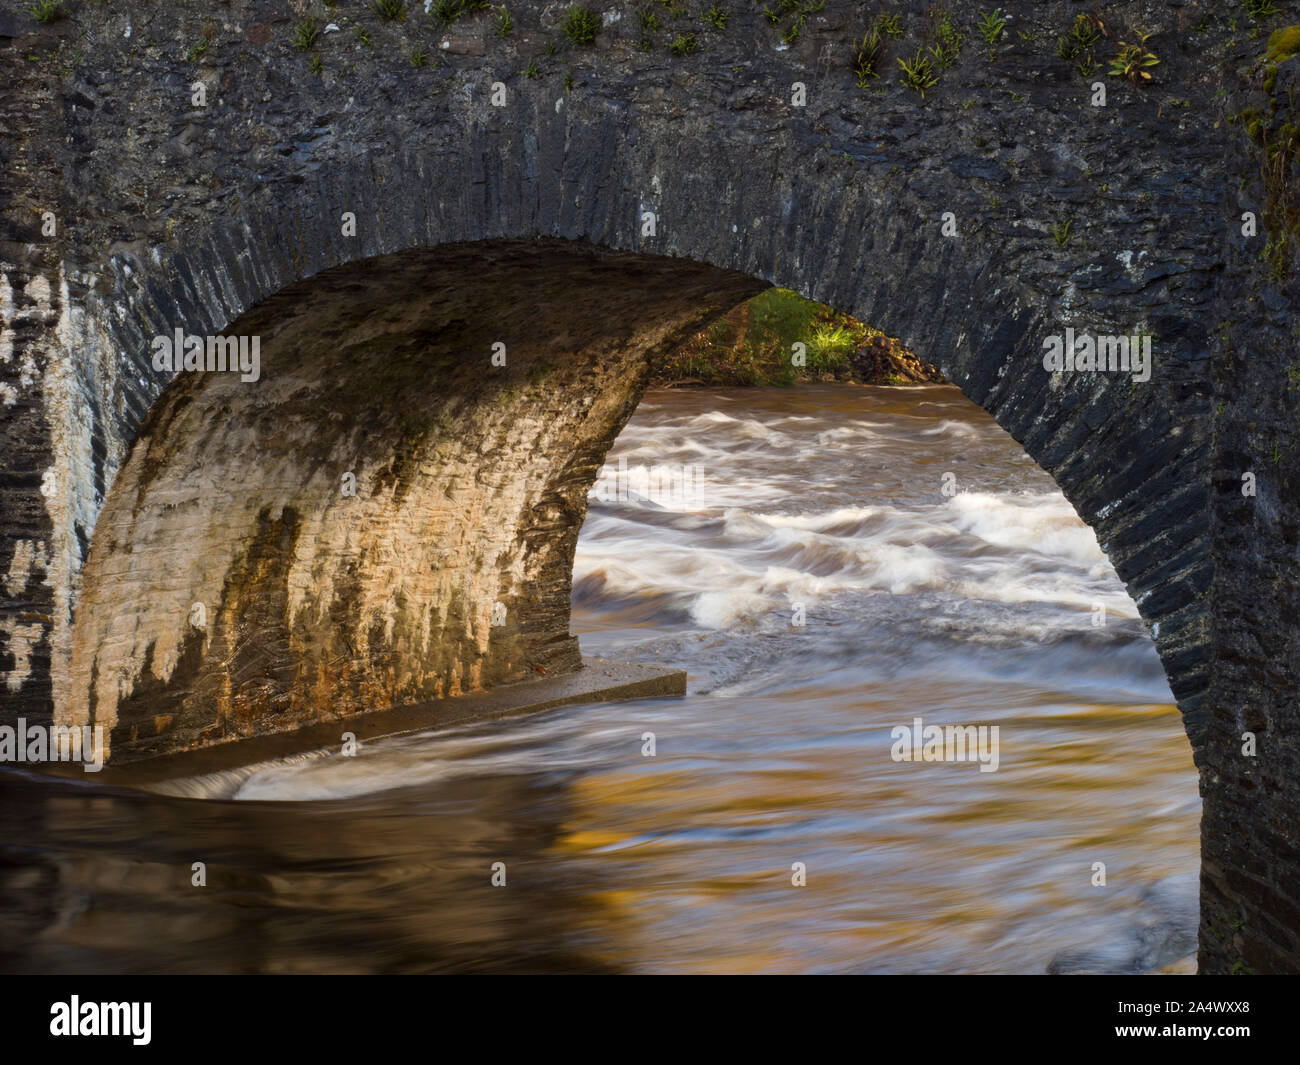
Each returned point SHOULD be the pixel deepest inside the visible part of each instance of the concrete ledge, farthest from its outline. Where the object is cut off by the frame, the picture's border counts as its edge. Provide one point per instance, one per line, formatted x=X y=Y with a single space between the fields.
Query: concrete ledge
x=599 y=680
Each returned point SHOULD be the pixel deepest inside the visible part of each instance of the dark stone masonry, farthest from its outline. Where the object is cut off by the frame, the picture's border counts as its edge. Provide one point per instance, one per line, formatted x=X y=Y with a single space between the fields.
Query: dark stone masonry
x=180 y=557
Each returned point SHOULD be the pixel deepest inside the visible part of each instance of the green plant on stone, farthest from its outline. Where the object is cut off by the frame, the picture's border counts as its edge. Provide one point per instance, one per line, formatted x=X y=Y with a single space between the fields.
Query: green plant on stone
x=716 y=17
x=580 y=24
x=1077 y=44
x=1061 y=233
x=569 y=83
x=1258 y=9
x=391 y=10
x=532 y=71
x=306 y=33
x=866 y=55
x=1132 y=60
x=800 y=9
x=919 y=73
x=891 y=26
x=991 y=26
x=1087 y=30
x=363 y=36
x=418 y=58
x=948 y=41
x=505 y=27
x=317 y=65
x=1274 y=255
x=46 y=10
x=650 y=23
x=198 y=50
x=447 y=11
x=685 y=44
x=829 y=348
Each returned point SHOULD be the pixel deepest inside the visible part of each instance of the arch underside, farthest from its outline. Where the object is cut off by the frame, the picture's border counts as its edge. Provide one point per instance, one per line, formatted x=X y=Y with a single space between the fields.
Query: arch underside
x=388 y=514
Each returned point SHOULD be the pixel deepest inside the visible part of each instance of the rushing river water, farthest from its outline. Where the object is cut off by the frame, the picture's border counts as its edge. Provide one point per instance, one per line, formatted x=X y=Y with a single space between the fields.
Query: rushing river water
x=819 y=504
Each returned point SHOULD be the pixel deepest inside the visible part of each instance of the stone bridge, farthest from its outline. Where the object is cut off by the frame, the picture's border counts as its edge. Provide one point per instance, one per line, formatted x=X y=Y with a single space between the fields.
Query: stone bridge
x=458 y=239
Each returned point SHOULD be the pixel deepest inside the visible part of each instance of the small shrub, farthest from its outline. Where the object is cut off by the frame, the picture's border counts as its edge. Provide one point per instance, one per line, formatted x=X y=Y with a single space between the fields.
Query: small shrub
x=391 y=10
x=716 y=17
x=580 y=24
x=505 y=27
x=650 y=22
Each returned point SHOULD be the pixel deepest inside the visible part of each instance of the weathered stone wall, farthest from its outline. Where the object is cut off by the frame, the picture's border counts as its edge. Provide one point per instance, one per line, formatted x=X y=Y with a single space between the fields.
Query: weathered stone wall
x=170 y=213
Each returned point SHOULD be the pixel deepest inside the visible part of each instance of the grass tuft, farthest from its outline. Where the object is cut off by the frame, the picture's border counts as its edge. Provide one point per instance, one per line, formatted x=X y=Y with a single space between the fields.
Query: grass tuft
x=580 y=24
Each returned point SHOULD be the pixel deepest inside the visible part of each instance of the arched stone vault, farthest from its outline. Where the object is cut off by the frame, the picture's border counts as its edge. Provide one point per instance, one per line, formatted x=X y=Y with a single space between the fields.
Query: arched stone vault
x=321 y=597
x=525 y=224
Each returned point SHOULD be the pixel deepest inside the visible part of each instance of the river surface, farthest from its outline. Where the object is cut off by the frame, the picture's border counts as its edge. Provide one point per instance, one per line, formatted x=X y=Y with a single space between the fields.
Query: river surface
x=800 y=553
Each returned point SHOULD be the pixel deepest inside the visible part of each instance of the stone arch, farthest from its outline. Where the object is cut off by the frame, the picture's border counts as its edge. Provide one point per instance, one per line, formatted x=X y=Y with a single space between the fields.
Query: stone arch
x=347 y=526
x=862 y=245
